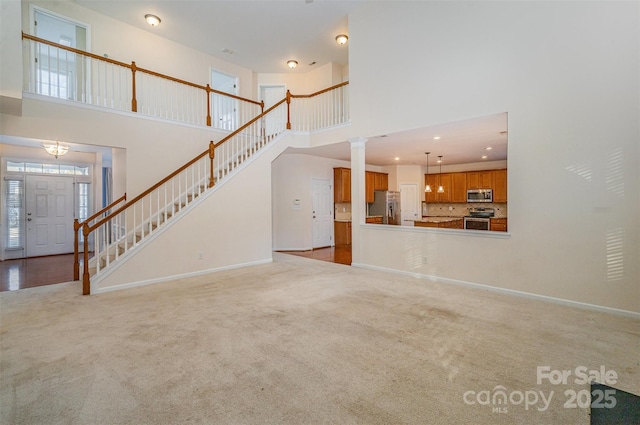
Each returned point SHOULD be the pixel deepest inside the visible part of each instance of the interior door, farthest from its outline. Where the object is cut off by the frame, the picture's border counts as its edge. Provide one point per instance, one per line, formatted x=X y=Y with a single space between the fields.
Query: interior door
x=322 y=213
x=58 y=72
x=49 y=207
x=276 y=121
x=409 y=203
x=224 y=108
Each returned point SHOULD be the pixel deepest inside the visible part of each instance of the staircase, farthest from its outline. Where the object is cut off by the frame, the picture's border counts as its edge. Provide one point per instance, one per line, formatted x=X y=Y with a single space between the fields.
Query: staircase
x=122 y=229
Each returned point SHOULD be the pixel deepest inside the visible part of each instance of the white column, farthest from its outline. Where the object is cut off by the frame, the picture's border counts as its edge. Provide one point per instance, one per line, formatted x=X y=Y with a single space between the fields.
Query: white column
x=358 y=205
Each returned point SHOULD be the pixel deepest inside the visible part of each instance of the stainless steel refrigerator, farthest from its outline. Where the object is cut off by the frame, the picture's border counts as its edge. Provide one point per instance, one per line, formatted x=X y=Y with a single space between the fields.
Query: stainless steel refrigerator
x=387 y=204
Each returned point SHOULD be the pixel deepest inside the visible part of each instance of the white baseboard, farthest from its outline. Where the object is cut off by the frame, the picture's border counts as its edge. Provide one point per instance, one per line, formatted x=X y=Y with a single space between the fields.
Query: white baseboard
x=513 y=292
x=179 y=276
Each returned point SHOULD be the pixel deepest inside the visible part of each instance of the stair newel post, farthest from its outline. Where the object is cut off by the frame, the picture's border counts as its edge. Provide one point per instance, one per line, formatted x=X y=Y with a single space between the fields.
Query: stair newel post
x=86 y=286
x=208 y=89
x=76 y=262
x=134 y=101
x=212 y=154
x=288 y=110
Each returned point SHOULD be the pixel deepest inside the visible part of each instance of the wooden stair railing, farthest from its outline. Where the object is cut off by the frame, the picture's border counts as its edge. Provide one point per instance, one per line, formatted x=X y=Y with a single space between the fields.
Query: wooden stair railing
x=77 y=225
x=135 y=94
x=223 y=157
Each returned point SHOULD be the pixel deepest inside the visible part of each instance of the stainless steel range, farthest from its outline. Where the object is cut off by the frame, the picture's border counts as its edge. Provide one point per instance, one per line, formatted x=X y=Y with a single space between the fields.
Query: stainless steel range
x=479 y=219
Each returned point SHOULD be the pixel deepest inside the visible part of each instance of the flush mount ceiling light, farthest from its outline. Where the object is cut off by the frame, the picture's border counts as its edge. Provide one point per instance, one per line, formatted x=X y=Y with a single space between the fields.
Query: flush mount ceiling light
x=342 y=39
x=56 y=149
x=436 y=138
x=152 y=20
x=427 y=188
x=440 y=187
x=292 y=64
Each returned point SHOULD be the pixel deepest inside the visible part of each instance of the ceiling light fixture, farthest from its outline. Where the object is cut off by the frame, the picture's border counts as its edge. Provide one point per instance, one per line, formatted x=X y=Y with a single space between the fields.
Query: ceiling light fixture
x=484 y=156
x=436 y=138
x=440 y=187
x=292 y=64
x=427 y=188
x=396 y=158
x=488 y=148
x=342 y=39
x=152 y=20
x=56 y=149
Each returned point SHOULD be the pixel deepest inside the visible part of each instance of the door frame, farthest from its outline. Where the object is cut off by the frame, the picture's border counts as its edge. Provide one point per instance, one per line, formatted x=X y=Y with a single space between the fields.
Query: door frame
x=416 y=206
x=329 y=206
x=70 y=207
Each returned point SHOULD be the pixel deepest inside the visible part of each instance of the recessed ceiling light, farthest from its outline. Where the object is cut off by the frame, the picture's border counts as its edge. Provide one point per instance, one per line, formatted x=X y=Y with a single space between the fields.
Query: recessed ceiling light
x=484 y=157
x=397 y=158
x=488 y=148
x=436 y=138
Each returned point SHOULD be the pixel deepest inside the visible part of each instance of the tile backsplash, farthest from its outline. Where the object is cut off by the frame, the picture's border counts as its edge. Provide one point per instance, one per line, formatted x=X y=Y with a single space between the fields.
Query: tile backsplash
x=343 y=211
x=461 y=210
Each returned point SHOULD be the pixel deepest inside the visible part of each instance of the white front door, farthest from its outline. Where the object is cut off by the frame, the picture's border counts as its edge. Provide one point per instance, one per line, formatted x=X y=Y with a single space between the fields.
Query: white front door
x=322 y=212
x=49 y=207
x=409 y=203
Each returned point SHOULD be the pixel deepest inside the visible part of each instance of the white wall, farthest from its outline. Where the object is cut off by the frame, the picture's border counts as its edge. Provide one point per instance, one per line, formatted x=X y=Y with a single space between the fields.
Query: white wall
x=305 y=82
x=291 y=179
x=10 y=50
x=229 y=228
x=567 y=74
x=126 y=43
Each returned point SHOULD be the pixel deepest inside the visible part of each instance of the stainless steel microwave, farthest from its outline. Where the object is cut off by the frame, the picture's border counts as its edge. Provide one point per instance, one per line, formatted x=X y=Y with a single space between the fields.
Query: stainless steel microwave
x=479 y=195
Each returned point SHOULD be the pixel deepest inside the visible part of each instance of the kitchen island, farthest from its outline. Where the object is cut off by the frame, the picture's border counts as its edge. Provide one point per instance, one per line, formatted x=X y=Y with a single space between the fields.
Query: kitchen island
x=441 y=222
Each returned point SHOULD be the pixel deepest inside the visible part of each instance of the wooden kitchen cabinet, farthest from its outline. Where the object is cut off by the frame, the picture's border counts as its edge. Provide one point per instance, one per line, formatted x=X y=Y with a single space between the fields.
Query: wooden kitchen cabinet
x=369 y=185
x=435 y=180
x=499 y=185
x=480 y=180
x=458 y=187
x=381 y=181
x=374 y=220
x=498 y=224
x=342 y=233
x=431 y=180
x=445 y=181
x=341 y=185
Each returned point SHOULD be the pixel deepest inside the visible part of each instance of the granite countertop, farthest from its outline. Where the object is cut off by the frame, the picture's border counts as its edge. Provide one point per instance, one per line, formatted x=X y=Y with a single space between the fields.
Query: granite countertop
x=438 y=219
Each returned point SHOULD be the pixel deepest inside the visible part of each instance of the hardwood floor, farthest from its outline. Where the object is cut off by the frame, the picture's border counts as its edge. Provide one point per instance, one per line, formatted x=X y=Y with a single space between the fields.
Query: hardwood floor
x=37 y=271
x=341 y=255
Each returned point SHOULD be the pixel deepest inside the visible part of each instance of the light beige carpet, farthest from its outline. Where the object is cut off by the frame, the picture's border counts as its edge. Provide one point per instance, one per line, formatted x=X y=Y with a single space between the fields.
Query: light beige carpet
x=300 y=341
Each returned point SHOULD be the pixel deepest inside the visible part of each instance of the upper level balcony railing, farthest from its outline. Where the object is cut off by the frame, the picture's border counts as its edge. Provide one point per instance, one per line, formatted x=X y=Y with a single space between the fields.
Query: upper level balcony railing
x=63 y=72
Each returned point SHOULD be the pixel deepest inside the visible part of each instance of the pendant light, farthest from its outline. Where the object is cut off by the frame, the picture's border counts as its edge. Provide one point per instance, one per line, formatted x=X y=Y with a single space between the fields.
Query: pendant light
x=427 y=188
x=440 y=188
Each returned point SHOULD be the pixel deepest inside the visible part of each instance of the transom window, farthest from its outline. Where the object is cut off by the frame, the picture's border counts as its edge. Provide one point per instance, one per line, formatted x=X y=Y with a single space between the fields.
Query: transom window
x=42 y=168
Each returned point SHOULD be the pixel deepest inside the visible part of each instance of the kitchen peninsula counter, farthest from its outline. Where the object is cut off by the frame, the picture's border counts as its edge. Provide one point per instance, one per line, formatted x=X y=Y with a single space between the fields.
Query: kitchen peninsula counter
x=440 y=221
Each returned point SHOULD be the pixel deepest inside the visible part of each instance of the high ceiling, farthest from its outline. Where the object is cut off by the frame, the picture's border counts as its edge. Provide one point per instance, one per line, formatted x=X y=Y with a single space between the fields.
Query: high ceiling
x=259 y=35
x=262 y=35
